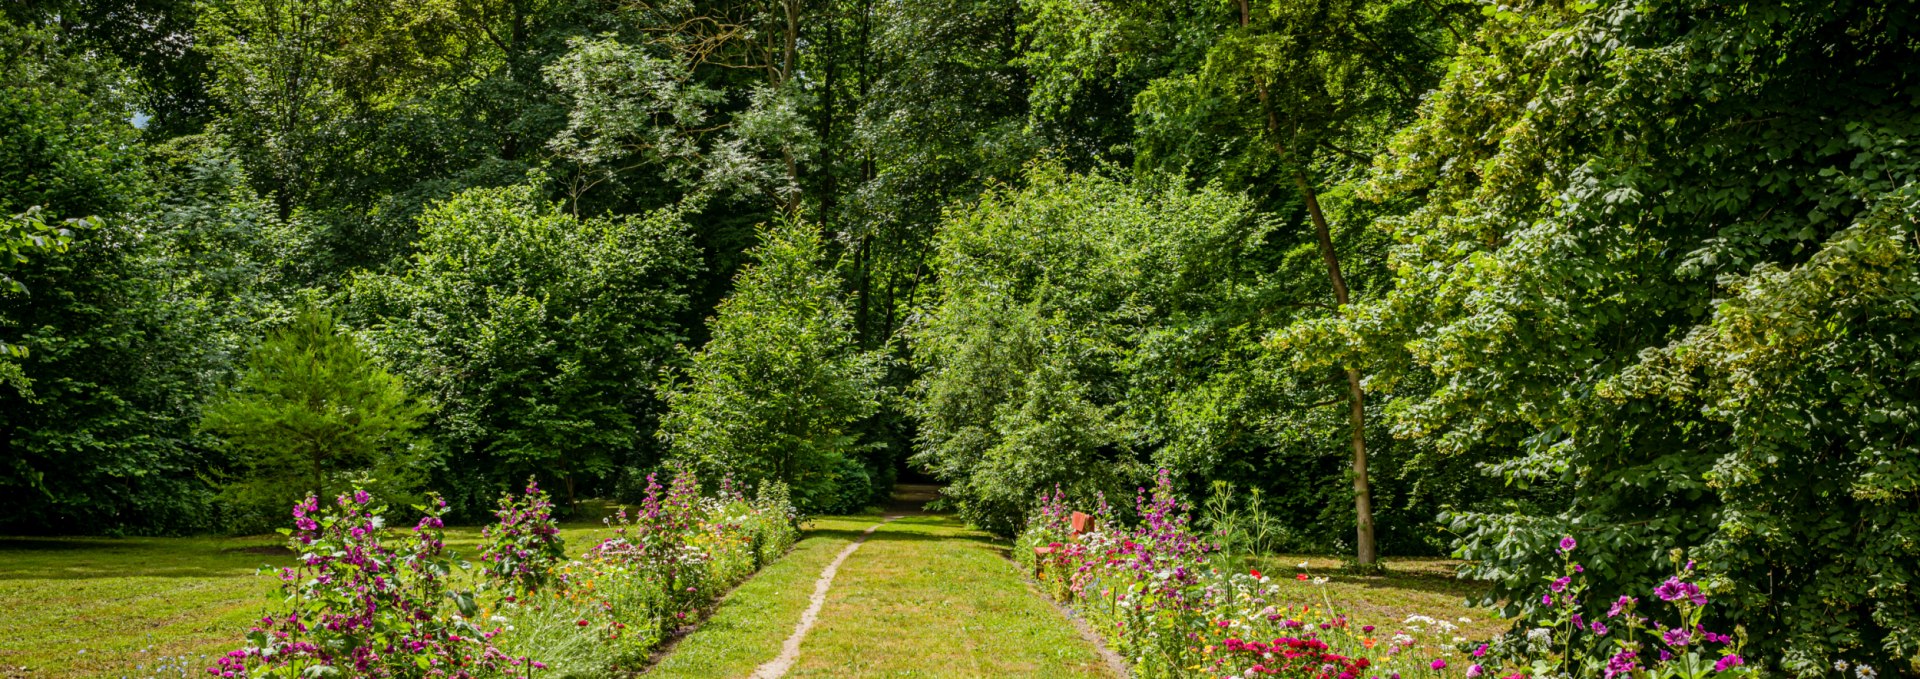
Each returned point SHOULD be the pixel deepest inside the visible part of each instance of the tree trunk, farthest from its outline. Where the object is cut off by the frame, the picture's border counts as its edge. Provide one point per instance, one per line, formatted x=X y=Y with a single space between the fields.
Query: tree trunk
x=1356 y=397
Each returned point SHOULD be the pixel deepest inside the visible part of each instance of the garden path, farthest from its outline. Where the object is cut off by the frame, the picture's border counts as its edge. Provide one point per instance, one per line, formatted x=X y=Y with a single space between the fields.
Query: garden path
x=924 y=597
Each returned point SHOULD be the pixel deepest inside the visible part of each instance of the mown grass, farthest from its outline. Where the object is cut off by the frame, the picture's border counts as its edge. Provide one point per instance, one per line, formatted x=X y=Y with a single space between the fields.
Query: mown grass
x=148 y=607
x=1409 y=586
x=749 y=626
x=927 y=597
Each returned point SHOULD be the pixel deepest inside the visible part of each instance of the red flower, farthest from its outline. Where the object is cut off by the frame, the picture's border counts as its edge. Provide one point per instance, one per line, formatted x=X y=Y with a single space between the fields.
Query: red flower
x=1255 y=572
x=583 y=623
x=1301 y=576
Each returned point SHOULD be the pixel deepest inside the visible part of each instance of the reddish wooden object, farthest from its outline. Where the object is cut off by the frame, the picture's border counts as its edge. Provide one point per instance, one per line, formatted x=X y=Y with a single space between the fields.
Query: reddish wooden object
x=1082 y=523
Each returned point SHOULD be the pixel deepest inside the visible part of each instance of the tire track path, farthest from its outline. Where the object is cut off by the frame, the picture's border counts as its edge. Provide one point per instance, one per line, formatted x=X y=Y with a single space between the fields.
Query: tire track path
x=790 y=651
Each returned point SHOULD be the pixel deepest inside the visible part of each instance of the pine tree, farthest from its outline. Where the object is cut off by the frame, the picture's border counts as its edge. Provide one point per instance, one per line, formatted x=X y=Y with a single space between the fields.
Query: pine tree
x=312 y=413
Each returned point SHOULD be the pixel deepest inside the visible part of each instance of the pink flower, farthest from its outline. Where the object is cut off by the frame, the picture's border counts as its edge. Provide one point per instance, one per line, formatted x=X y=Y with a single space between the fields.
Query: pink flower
x=1567 y=544
x=1439 y=664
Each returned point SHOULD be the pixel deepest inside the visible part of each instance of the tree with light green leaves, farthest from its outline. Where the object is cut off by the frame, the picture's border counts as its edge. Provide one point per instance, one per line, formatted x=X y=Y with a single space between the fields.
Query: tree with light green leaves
x=776 y=392
x=313 y=414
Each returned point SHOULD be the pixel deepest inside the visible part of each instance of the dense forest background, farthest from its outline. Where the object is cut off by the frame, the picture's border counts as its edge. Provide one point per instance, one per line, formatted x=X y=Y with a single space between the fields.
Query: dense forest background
x=1429 y=275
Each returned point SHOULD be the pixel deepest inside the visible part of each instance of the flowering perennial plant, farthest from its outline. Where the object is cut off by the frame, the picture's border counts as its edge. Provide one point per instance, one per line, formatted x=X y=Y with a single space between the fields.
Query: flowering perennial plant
x=1627 y=641
x=521 y=549
x=665 y=562
x=1160 y=595
x=360 y=605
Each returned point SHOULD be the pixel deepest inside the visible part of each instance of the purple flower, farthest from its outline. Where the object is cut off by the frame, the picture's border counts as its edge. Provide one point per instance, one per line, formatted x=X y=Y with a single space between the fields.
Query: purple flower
x=1560 y=585
x=1727 y=662
x=1599 y=628
x=1670 y=590
x=1567 y=544
x=1624 y=662
x=1676 y=637
x=1475 y=670
x=1439 y=664
x=1546 y=599
x=1695 y=596
x=1620 y=606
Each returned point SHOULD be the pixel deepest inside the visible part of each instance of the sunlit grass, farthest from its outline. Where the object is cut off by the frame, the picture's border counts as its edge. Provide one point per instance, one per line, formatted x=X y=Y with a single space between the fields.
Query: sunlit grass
x=137 y=607
x=1410 y=586
x=926 y=597
x=749 y=626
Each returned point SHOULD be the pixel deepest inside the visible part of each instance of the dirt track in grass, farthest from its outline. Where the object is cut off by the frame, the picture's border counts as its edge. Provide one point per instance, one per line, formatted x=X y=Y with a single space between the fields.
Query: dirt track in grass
x=924 y=597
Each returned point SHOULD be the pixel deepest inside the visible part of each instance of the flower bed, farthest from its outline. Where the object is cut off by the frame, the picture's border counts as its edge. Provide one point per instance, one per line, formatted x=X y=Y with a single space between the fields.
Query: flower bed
x=363 y=603
x=1154 y=591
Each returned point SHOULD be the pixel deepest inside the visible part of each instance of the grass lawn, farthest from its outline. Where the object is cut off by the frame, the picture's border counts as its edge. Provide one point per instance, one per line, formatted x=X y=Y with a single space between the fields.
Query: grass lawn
x=1411 y=586
x=749 y=626
x=925 y=597
x=140 y=607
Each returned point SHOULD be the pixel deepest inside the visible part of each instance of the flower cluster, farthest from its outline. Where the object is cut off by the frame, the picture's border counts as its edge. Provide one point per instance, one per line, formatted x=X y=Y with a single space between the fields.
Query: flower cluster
x=1626 y=641
x=1161 y=595
x=665 y=562
x=365 y=606
x=521 y=549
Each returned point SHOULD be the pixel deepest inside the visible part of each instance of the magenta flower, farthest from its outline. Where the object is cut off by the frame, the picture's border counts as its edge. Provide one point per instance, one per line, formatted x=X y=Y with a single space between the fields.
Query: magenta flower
x=1480 y=652
x=1439 y=664
x=1620 y=606
x=1624 y=662
x=1671 y=590
x=1560 y=585
x=1567 y=544
x=1728 y=661
x=1676 y=637
x=1599 y=628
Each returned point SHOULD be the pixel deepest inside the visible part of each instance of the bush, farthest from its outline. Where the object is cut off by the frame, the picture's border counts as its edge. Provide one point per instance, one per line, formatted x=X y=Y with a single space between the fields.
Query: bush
x=775 y=394
x=534 y=333
x=312 y=414
x=364 y=606
x=608 y=609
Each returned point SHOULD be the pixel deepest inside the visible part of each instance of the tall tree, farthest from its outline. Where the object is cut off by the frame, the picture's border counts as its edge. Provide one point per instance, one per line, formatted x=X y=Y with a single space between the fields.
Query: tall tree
x=312 y=414
x=1644 y=270
x=776 y=392
x=535 y=334
x=1280 y=98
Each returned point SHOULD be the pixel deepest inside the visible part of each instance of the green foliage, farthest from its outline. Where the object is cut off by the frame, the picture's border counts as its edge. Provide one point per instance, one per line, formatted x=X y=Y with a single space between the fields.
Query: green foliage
x=535 y=335
x=1647 y=273
x=1046 y=314
x=776 y=392
x=104 y=442
x=313 y=415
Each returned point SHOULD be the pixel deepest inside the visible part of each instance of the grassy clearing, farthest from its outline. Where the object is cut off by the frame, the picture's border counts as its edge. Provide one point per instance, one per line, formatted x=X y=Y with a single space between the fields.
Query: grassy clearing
x=926 y=597
x=749 y=626
x=1411 y=586
x=139 y=607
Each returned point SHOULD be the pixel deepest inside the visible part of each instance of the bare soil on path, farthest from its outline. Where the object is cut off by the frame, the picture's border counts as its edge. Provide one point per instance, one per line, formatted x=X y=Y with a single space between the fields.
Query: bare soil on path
x=920 y=595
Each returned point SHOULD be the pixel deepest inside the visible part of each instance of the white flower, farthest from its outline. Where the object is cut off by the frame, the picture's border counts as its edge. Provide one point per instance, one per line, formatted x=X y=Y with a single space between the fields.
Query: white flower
x=1303 y=564
x=1319 y=581
x=1466 y=620
x=1865 y=671
x=1840 y=665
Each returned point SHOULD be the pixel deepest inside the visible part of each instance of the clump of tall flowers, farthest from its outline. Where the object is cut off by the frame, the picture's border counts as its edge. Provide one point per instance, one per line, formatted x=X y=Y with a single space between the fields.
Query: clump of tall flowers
x=1661 y=635
x=521 y=548
x=359 y=604
x=1160 y=594
x=605 y=611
